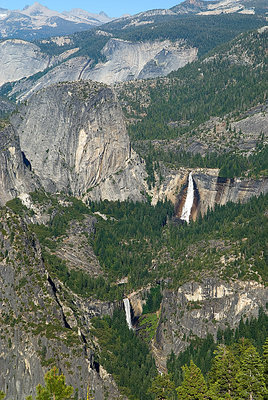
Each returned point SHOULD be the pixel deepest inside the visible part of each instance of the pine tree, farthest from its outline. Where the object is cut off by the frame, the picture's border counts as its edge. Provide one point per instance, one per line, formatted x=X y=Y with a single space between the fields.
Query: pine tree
x=193 y=386
x=250 y=378
x=55 y=387
x=265 y=362
x=222 y=377
x=162 y=388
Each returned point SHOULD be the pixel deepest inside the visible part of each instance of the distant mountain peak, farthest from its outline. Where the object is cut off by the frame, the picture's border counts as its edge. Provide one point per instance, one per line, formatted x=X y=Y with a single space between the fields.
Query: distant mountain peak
x=35 y=7
x=194 y=2
x=215 y=7
x=41 y=22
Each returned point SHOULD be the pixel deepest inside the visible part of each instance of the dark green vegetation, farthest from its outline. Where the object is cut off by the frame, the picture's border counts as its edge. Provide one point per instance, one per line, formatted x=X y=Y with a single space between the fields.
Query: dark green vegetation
x=230 y=164
x=237 y=372
x=201 y=351
x=126 y=243
x=220 y=84
x=153 y=301
x=17 y=207
x=127 y=358
x=124 y=355
x=89 y=42
x=139 y=241
x=204 y=32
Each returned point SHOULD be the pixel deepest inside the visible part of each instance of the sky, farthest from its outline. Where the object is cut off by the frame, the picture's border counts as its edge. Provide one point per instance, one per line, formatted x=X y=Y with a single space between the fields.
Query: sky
x=114 y=8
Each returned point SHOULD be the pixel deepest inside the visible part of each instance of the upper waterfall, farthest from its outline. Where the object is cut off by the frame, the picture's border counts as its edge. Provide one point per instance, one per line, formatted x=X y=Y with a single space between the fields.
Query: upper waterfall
x=128 y=313
x=186 y=211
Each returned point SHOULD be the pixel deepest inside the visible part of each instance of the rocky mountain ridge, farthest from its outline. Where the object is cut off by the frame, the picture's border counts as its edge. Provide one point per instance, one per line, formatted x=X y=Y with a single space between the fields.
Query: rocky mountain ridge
x=124 y=61
x=195 y=7
x=37 y=21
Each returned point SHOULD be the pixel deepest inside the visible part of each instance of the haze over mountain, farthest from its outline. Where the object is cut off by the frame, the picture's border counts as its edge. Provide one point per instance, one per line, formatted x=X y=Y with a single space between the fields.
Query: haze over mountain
x=36 y=21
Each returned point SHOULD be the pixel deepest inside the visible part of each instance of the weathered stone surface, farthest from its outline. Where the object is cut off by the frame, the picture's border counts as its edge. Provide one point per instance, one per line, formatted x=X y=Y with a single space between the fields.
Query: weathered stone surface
x=40 y=327
x=69 y=70
x=75 y=138
x=76 y=250
x=210 y=189
x=128 y=61
x=202 y=308
x=19 y=59
x=124 y=61
x=15 y=177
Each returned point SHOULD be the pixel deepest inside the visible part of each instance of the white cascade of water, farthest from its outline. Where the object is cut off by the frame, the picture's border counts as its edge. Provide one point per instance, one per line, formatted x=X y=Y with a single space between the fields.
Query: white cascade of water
x=186 y=211
x=128 y=313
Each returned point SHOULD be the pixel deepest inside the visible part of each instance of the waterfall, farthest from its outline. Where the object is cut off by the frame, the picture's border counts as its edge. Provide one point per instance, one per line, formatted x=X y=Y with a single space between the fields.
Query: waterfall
x=128 y=314
x=186 y=211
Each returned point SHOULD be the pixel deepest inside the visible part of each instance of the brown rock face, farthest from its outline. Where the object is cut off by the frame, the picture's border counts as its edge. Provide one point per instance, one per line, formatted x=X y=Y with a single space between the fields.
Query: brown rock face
x=209 y=189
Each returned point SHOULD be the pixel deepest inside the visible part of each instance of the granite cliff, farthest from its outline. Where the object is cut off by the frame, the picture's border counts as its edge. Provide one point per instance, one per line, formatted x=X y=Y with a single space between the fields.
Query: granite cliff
x=75 y=139
x=15 y=174
x=72 y=137
x=124 y=60
x=209 y=189
x=41 y=323
x=199 y=309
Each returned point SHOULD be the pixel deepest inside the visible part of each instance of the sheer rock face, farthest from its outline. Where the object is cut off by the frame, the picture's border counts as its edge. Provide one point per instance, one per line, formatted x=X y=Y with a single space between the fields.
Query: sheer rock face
x=124 y=61
x=15 y=177
x=202 y=308
x=39 y=326
x=75 y=138
x=128 y=61
x=216 y=190
x=210 y=189
x=20 y=59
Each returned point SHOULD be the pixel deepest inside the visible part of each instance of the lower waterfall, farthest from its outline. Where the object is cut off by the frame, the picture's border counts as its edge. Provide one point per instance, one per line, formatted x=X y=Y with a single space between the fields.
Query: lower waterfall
x=128 y=313
x=186 y=211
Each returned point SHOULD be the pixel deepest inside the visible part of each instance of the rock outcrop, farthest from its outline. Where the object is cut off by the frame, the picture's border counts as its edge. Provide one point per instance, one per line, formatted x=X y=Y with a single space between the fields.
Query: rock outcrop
x=20 y=59
x=127 y=61
x=124 y=61
x=210 y=189
x=197 y=309
x=15 y=170
x=74 y=136
x=39 y=326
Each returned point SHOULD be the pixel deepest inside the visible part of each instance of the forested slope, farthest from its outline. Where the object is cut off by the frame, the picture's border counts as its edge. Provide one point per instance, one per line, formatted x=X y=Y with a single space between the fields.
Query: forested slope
x=228 y=80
